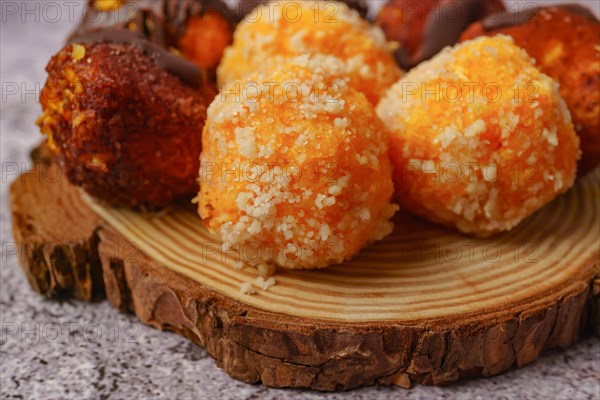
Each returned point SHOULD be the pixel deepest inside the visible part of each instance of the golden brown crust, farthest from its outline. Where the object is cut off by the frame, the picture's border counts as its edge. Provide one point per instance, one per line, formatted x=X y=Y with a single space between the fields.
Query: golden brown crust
x=121 y=127
x=568 y=53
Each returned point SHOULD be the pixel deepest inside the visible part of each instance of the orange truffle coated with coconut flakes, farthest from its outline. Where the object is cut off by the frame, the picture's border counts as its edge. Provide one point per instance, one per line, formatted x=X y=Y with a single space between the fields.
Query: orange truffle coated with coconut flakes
x=291 y=28
x=565 y=41
x=295 y=168
x=480 y=138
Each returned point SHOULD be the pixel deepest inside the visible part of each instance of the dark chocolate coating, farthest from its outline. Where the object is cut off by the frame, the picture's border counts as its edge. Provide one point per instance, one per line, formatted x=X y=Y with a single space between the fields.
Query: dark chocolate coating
x=185 y=70
x=512 y=18
x=178 y=12
x=440 y=30
x=154 y=26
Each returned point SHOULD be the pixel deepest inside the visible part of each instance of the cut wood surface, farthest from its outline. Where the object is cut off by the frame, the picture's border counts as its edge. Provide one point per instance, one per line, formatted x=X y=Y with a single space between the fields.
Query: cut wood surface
x=426 y=305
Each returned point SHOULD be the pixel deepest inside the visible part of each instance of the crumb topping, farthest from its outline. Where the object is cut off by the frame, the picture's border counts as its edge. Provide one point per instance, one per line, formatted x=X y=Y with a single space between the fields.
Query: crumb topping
x=305 y=169
x=476 y=134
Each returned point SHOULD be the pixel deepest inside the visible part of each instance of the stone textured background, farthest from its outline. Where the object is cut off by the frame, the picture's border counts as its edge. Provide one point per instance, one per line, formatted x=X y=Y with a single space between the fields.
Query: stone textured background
x=70 y=349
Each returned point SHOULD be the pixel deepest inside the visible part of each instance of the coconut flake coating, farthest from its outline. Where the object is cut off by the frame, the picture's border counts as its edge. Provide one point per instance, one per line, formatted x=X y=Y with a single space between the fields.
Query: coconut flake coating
x=565 y=42
x=298 y=173
x=291 y=28
x=480 y=138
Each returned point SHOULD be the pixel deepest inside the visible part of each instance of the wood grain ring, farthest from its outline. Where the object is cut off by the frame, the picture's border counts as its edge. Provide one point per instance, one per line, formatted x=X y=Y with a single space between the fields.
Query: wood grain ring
x=375 y=320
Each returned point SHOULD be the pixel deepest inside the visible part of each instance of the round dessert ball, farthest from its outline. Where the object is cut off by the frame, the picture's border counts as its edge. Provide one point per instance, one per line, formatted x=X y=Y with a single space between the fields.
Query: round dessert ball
x=122 y=127
x=294 y=167
x=423 y=28
x=565 y=42
x=285 y=29
x=480 y=138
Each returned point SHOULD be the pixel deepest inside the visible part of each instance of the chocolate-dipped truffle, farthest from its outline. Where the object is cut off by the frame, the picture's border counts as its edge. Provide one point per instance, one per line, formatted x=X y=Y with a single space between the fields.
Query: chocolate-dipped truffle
x=424 y=27
x=123 y=109
x=199 y=29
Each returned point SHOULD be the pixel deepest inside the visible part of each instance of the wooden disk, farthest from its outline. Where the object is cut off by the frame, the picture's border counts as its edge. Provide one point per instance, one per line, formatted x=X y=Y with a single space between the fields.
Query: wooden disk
x=425 y=305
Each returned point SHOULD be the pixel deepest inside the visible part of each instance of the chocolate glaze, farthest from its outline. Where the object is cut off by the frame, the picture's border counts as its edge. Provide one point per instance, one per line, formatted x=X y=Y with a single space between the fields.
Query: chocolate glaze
x=178 y=12
x=440 y=30
x=154 y=26
x=131 y=13
x=187 y=71
x=512 y=18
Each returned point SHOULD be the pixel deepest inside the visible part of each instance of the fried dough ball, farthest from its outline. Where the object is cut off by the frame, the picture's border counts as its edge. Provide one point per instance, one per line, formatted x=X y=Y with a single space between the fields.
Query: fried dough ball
x=297 y=174
x=480 y=138
x=422 y=28
x=122 y=127
x=291 y=28
x=565 y=42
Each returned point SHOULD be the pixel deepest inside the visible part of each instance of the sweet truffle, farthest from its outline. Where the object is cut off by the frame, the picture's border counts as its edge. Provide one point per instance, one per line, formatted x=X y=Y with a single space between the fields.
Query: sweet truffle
x=480 y=138
x=291 y=28
x=565 y=42
x=124 y=113
x=122 y=127
x=294 y=167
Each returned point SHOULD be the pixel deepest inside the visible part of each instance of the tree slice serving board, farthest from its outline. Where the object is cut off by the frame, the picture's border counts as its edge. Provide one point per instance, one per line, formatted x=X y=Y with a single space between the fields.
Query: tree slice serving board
x=425 y=305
